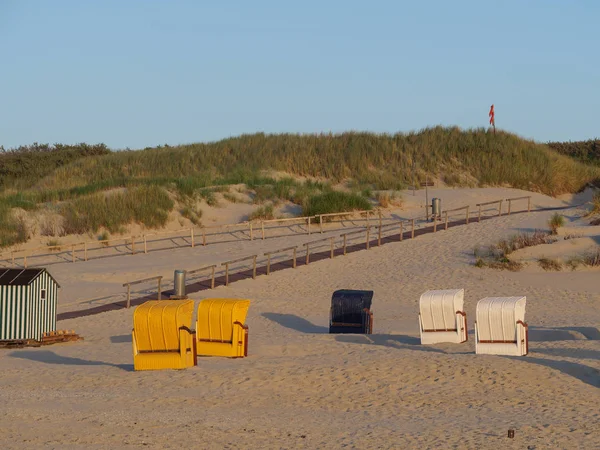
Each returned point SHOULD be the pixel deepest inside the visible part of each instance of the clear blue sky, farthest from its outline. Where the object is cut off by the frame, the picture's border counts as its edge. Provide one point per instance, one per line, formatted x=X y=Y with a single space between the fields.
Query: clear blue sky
x=136 y=73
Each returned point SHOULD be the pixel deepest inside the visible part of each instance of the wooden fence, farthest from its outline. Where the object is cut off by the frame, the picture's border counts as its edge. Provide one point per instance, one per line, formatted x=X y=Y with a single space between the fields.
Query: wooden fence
x=400 y=226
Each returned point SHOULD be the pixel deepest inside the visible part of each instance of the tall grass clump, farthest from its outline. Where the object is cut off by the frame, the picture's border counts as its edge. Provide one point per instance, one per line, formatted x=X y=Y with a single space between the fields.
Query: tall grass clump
x=595 y=204
x=147 y=205
x=264 y=212
x=13 y=230
x=334 y=202
x=550 y=264
x=555 y=222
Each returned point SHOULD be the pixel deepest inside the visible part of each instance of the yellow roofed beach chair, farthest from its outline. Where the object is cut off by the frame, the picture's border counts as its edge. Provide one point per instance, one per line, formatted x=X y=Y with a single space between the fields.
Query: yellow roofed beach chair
x=161 y=335
x=221 y=329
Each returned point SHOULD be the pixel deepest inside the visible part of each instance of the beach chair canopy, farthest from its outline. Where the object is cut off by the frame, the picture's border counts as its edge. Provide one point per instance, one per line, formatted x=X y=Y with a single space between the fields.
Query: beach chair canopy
x=162 y=336
x=442 y=318
x=500 y=326
x=351 y=311
x=220 y=327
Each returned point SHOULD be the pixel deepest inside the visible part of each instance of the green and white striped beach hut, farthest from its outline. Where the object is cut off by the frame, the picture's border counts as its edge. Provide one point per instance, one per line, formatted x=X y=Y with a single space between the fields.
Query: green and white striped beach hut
x=28 y=299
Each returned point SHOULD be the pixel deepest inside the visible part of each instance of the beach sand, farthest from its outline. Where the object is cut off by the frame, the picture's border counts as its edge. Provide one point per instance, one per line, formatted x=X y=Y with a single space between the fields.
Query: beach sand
x=303 y=388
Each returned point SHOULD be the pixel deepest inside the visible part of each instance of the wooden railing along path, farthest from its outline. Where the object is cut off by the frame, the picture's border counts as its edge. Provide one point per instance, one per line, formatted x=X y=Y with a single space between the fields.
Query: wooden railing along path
x=385 y=232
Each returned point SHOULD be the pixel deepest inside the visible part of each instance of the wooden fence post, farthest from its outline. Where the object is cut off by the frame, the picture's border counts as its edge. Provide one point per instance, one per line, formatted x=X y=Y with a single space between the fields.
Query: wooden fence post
x=268 y=264
x=294 y=260
x=368 y=232
x=446 y=220
x=331 y=253
x=500 y=208
x=509 y=202
x=379 y=236
x=344 y=244
x=308 y=226
x=254 y=268
x=212 y=282
x=528 y=204
x=192 y=236
x=401 y=232
x=262 y=229
x=307 y=254
x=251 y=236
x=128 y=296
x=413 y=229
x=379 y=211
x=226 y=274
x=159 y=288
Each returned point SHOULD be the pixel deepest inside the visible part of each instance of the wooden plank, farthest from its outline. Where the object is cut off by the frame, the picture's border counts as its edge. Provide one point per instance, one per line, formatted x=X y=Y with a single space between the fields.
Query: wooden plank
x=142 y=281
x=246 y=258
x=281 y=250
x=201 y=269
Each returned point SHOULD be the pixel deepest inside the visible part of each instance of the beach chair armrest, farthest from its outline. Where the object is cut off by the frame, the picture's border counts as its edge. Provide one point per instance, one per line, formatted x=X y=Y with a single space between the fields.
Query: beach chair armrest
x=523 y=335
x=461 y=324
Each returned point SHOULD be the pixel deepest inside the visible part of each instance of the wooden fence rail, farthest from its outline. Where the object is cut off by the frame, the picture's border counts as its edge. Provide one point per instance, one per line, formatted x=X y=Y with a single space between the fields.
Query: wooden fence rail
x=287 y=249
x=145 y=280
x=510 y=200
x=308 y=244
x=233 y=261
x=490 y=203
x=204 y=268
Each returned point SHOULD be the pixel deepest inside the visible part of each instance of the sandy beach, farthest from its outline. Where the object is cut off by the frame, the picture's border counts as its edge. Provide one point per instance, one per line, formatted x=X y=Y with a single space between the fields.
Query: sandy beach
x=301 y=387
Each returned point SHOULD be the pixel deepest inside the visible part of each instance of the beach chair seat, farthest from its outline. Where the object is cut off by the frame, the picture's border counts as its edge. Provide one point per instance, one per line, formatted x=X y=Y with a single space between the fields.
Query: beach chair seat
x=351 y=312
x=221 y=329
x=161 y=335
x=441 y=317
x=500 y=327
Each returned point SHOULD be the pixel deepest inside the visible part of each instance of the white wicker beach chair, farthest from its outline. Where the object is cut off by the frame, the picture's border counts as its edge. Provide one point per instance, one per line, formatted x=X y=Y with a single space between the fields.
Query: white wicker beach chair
x=442 y=318
x=500 y=327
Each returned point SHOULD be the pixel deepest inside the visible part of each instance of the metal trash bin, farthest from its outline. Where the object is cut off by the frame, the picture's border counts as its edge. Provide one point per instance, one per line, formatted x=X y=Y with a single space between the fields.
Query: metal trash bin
x=179 y=285
x=436 y=207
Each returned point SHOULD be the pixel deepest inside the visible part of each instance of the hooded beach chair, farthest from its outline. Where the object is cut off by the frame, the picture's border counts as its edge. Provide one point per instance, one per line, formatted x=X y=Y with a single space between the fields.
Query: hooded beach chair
x=351 y=312
x=500 y=327
x=161 y=335
x=221 y=329
x=441 y=317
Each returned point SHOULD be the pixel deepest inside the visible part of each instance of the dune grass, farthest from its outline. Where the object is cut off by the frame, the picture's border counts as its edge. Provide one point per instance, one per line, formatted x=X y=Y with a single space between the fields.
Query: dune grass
x=550 y=265
x=147 y=205
x=334 y=202
x=73 y=176
x=555 y=222
x=264 y=212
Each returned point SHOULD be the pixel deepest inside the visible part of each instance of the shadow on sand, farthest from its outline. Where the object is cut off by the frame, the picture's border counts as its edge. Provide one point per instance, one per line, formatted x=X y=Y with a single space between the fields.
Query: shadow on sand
x=297 y=323
x=388 y=340
x=563 y=334
x=121 y=339
x=49 y=357
x=586 y=374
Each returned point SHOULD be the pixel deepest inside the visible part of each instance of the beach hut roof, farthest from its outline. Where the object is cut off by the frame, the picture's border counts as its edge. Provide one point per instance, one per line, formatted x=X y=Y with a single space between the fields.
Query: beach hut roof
x=21 y=277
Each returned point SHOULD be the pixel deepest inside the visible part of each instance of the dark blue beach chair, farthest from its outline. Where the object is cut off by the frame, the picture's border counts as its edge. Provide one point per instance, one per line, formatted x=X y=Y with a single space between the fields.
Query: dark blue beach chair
x=351 y=312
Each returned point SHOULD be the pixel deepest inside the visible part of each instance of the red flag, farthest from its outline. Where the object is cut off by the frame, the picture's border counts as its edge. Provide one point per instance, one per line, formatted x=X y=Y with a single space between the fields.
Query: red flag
x=492 y=115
